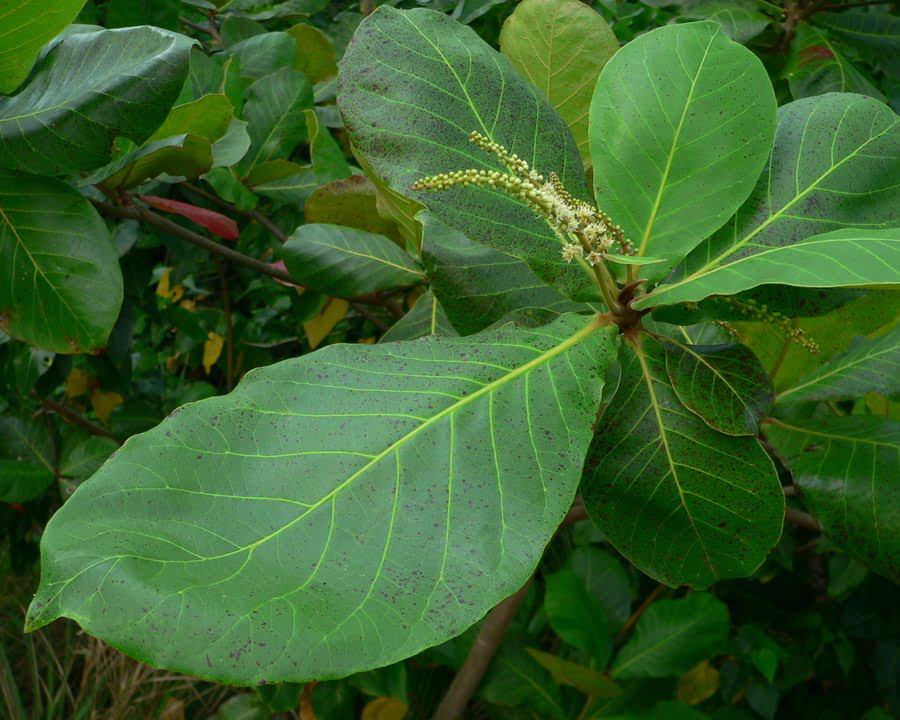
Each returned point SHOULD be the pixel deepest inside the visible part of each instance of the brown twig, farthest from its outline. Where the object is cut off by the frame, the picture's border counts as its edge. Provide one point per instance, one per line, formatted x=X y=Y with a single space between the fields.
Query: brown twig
x=210 y=29
x=490 y=635
x=801 y=519
x=229 y=324
x=636 y=615
x=70 y=415
x=367 y=7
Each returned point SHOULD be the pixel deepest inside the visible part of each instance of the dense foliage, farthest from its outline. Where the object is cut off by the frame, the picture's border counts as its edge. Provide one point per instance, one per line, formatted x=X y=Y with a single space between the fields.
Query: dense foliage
x=326 y=328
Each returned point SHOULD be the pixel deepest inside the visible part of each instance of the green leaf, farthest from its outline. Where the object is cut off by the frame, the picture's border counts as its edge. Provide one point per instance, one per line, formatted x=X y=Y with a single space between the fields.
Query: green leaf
x=816 y=66
x=740 y=19
x=870 y=365
x=607 y=581
x=26 y=459
x=328 y=159
x=726 y=385
x=847 y=468
x=478 y=286
x=426 y=318
x=681 y=123
x=875 y=35
x=580 y=677
x=91 y=88
x=346 y=262
x=576 y=616
x=379 y=502
x=21 y=482
x=262 y=55
x=26 y=29
x=268 y=10
x=684 y=503
x=83 y=458
x=561 y=46
x=673 y=636
x=842 y=258
x=409 y=110
x=274 y=109
x=832 y=166
x=315 y=54
x=352 y=202
x=60 y=283
x=393 y=205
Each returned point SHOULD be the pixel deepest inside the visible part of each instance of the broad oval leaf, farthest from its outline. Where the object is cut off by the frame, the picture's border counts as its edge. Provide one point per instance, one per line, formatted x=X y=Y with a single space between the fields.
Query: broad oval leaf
x=60 y=282
x=870 y=365
x=91 y=88
x=726 y=385
x=380 y=500
x=875 y=35
x=27 y=465
x=561 y=46
x=673 y=636
x=26 y=28
x=833 y=166
x=684 y=503
x=682 y=121
x=345 y=261
x=426 y=318
x=576 y=615
x=477 y=286
x=413 y=86
x=847 y=468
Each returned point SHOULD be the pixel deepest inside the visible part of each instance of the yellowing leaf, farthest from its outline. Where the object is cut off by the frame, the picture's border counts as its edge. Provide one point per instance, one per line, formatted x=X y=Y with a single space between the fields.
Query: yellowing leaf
x=318 y=328
x=190 y=305
x=104 y=403
x=76 y=383
x=165 y=290
x=172 y=363
x=367 y=341
x=385 y=708
x=212 y=350
x=698 y=683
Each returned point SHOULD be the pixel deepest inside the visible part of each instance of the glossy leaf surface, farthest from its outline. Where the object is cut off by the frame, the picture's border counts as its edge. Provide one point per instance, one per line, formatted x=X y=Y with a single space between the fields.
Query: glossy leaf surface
x=385 y=496
x=345 y=261
x=682 y=121
x=847 y=468
x=684 y=503
x=60 y=283
x=673 y=636
x=870 y=365
x=726 y=385
x=561 y=46
x=91 y=88
x=413 y=86
x=832 y=166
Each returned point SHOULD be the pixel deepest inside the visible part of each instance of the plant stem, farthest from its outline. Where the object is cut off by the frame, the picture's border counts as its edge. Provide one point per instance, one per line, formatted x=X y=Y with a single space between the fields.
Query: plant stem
x=229 y=324
x=67 y=413
x=636 y=615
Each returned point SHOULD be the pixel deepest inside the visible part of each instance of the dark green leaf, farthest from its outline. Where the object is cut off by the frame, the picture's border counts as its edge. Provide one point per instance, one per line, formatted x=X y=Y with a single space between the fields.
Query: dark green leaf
x=607 y=581
x=409 y=111
x=21 y=482
x=576 y=616
x=60 y=283
x=684 y=503
x=83 y=458
x=91 y=88
x=366 y=487
x=870 y=365
x=833 y=166
x=315 y=54
x=673 y=636
x=561 y=46
x=875 y=35
x=726 y=385
x=426 y=318
x=26 y=28
x=262 y=55
x=345 y=262
x=740 y=19
x=682 y=121
x=352 y=202
x=585 y=679
x=847 y=468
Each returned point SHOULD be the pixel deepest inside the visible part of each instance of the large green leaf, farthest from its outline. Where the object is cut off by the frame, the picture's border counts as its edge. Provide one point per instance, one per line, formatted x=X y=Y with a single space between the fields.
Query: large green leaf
x=380 y=499
x=681 y=123
x=726 y=385
x=673 y=636
x=834 y=165
x=91 y=88
x=875 y=35
x=841 y=258
x=606 y=580
x=274 y=110
x=345 y=261
x=561 y=46
x=684 y=503
x=26 y=28
x=576 y=616
x=847 y=468
x=261 y=55
x=741 y=20
x=413 y=86
x=817 y=66
x=477 y=286
x=870 y=365
x=60 y=283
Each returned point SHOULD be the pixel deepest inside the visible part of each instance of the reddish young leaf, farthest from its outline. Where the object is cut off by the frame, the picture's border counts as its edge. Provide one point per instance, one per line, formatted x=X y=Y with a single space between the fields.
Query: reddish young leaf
x=218 y=224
